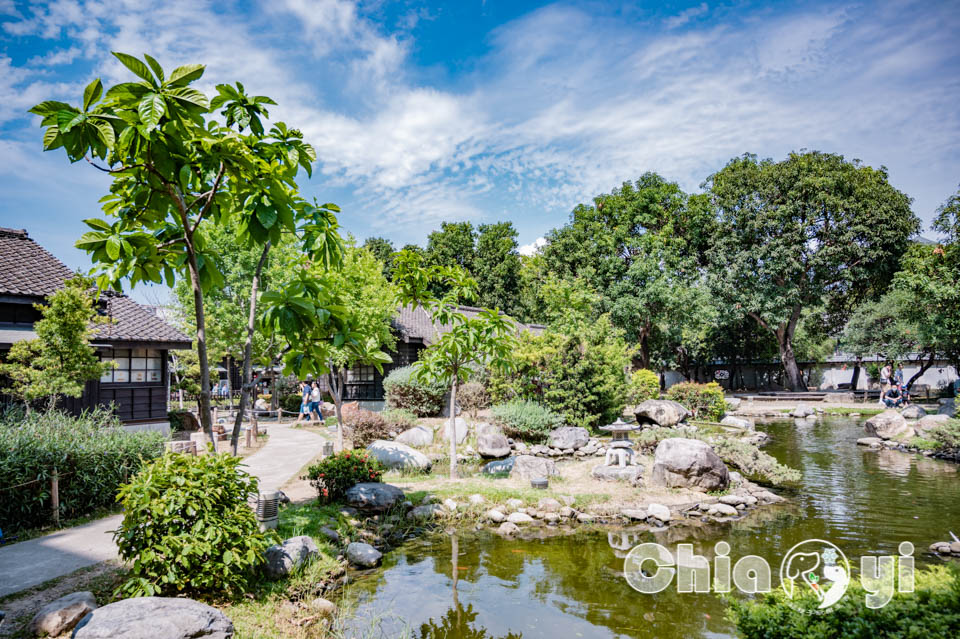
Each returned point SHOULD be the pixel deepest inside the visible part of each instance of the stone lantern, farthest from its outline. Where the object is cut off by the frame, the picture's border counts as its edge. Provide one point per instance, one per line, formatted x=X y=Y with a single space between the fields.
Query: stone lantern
x=621 y=447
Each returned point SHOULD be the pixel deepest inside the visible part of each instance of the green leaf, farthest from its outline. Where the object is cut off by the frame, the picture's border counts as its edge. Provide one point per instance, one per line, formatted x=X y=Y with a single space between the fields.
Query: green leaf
x=266 y=216
x=106 y=132
x=92 y=93
x=134 y=65
x=50 y=106
x=64 y=118
x=52 y=139
x=186 y=74
x=113 y=247
x=157 y=69
x=97 y=223
x=151 y=109
x=191 y=96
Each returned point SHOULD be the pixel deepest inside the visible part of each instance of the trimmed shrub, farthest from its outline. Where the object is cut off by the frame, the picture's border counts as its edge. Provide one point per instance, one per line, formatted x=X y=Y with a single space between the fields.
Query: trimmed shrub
x=187 y=527
x=291 y=403
x=399 y=419
x=365 y=427
x=403 y=390
x=753 y=462
x=946 y=436
x=333 y=475
x=473 y=397
x=525 y=420
x=705 y=401
x=91 y=453
x=644 y=384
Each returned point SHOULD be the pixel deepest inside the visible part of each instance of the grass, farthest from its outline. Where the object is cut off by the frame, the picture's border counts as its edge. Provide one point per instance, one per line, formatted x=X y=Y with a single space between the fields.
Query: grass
x=834 y=411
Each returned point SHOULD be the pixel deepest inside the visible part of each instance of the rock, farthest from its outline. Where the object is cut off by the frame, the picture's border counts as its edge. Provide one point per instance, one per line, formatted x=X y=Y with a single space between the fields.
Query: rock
x=688 y=463
x=632 y=474
x=496 y=516
x=948 y=407
x=738 y=422
x=733 y=500
x=426 y=511
x=508 y=528
x=460 y=424
x=514 y=503
x=397 y=455
x=585 y=518
x=484 y=427
x=733 y=403
x=872 y=442
x=589 y=449
x=155 y=618
x=450 y=505
x=886 y=425
x=551 y=518
x=567 y=512
x=476 y=499
x=927 y=422
x=567 y=500
x=632 y=513
x=323 y=607
x=802 y=411
x=530 y=467
x=418 y=437
x=363 y=555
x=725 y=510
x=61 y=615
x=493 y=444
x=330 y=534
x=572 y=437
x=549 y=505
x=519 y=518
x=662 y=412
x=498 y=467
x=539 y=449
x=913 y=412
x=373 y=496
x=659 y=511
x=955 y=547
x=735 y=478
x=521 y=447
x=282 y=559
x=767 y=497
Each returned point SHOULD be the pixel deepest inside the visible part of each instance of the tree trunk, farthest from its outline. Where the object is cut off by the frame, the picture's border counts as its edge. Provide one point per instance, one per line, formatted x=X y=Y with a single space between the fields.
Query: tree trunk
x=206 y=421
x=336 y=392
x=644 y=349
x=246 y=385
x=923 y=369
x=453 y=429
x=790 y=368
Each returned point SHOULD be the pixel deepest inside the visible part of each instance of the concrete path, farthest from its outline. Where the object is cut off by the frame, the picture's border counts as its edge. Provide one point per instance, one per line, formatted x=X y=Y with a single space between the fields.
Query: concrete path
x=28 y=563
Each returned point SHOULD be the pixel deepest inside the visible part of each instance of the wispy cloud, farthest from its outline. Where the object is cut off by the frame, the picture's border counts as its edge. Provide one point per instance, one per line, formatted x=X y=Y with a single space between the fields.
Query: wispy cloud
x=686 y=16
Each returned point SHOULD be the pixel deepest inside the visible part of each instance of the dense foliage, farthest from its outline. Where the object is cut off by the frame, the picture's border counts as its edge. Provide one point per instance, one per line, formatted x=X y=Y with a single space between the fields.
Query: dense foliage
x=705 y=401
x=644 y=384
x=188 y=528
x=403 y=389
x=932 y=610
x=473 y=397
x=398 y=419
x=365 y=426
x=91 y=453
x=526 y=420
x=947 y=435
x=333 y=475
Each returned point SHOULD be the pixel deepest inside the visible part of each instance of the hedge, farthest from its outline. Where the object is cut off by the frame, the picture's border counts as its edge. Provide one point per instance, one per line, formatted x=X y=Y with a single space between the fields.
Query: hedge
x=403 y=390
x=705 y=401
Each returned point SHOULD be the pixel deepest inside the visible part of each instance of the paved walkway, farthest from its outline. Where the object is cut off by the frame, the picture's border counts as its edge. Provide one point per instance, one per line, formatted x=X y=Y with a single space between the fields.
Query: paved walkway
x=28 y=563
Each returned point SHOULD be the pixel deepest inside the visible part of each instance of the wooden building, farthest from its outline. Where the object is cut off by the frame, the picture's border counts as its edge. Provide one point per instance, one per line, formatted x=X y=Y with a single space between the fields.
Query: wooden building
x=136 y=340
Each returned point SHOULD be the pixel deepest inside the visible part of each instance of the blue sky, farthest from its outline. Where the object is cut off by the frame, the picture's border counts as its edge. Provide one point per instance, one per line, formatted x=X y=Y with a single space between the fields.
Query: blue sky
x=490 y=110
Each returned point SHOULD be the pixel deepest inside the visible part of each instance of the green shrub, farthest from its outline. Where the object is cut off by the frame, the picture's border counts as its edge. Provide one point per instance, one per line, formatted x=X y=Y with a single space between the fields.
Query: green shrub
x=525 y=420
x=399 y=419
x=179 y=421
x=932 y=610
x=187 y=527
x=873 y=370
x=946 y=436
x=91 y=453
x=473 y=397
x=365 y=427
x=403 y=390
x=291 y=403
x=753 y=462
x=705 y=401
x=644 y=384
x=333 y=475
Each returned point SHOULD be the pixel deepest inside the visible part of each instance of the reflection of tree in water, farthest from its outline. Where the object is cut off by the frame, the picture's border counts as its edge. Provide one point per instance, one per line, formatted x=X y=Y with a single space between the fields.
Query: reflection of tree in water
x=458 y=623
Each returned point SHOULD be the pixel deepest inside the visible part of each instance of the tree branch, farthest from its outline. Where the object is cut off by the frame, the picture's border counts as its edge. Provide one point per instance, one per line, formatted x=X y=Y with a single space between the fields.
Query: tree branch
x=105 y=170
x=213 y=193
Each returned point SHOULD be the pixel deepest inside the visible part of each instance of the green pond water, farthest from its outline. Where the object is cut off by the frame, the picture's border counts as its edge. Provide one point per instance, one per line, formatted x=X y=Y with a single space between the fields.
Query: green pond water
x=479 y=585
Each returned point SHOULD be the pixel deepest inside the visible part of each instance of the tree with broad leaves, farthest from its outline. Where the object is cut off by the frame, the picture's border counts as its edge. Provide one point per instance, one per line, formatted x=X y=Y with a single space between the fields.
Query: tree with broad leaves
x=177 y=171
x=497 y=268
x=488 y=339
x=383 y=250
x=814 y=230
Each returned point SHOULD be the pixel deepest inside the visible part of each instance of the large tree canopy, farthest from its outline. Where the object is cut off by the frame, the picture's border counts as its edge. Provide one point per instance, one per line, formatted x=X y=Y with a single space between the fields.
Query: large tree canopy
x=814 y=230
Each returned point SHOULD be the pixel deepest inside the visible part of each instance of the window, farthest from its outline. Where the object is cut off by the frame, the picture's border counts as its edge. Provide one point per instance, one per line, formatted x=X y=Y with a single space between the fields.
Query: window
x=136 y=366
x=361 y=374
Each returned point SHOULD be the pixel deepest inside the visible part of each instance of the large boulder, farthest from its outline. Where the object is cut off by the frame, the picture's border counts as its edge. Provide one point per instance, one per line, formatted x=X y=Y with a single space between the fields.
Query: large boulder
x=631 y=474
x=925 y=423
x=738 y=422
x=484 y=427
x=499 y=466
x=530 y=467
x=460 y=424
x=886 y=425
x=661 y=412
x=363 y=555
x=374 y=496
x=491 y=444
x=282 y=559
x=947 y=407
x=397 y=455
x=569 y=437
x=418 y=437
x=61 y=615
x=913 y=412
x=155 y=618
x=688 y=463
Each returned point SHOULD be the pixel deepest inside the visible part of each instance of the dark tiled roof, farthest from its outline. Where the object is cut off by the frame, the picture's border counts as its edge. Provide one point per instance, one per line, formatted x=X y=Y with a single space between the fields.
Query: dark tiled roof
x=28 y=269
x=414 y=323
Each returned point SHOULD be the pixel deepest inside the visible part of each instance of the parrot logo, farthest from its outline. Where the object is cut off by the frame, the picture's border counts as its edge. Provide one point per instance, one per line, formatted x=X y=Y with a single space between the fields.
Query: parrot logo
x=815 y=566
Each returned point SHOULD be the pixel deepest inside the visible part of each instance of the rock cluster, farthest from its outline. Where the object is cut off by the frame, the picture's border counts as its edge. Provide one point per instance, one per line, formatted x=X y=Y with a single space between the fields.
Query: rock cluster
x=61 y=615
x=946 y=548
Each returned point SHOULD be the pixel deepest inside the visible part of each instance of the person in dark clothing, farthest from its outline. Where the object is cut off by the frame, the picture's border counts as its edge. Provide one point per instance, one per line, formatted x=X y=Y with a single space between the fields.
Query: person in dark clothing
x=893 y=397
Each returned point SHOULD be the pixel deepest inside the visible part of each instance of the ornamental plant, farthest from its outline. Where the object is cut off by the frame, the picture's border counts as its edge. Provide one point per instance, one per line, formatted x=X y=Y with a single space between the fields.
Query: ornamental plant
x=188 y=527
x=525 y=420
x=644 y=384
x=333 y=475
x=403 y=389
x=705 y=401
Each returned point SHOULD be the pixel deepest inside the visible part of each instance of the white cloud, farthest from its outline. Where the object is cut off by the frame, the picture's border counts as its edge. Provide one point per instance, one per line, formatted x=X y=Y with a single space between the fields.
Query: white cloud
x=686 y=16
x=533 y=247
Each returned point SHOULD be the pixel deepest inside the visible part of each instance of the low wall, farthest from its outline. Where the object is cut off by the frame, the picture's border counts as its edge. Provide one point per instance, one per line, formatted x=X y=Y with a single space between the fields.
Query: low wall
x=157 y=427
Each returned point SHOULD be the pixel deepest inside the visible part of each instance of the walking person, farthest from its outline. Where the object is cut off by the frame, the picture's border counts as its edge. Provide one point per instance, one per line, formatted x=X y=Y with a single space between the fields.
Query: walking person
x=885 y=377
x=315 y=398
x=304 y=403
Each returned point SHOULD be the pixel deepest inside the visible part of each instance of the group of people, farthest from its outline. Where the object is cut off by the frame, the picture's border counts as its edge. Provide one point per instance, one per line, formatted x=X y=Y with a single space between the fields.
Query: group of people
x=893 y=392
x=310 y=401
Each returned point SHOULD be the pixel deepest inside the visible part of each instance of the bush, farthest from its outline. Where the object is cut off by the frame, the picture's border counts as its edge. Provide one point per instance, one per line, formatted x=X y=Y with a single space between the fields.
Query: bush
x=525 y=420
x=291 y=403
x=946 y=436
x=91 y=453
x=705 y=401
x=179 y=421
x=333 y=475
x=403 y=390
x=187 y=527
x=399 y=419
x=473 y=397
x=644 y=384
x=932 y=610
x=753 y=462
x=365 y=426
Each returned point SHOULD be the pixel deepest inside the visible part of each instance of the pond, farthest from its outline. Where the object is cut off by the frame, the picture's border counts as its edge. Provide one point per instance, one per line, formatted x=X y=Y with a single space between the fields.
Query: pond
x=480 y=585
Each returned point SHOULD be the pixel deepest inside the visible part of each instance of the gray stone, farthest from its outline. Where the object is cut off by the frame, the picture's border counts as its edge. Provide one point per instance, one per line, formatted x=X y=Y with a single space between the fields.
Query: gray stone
x=492 y=444
x=461 y=427
x=330 y=534
x=484 y=427
x=155 y=618
x=282 y=559
x=927 y=422
x=572 y=437
x=476 y=498
x=499 y=466
x=585 y=518
x=530 y=467
x=519 y=518
x=948 y=407
x=632 y=513
x=363 y=555
x=514 y=504
x=913 y=412
x=733 y=403
x=450 y=504
x=738 y=422
x=733 y=500
x=61 y=615
x=725 y=510
x=662 y=412
x=417 y=437
x=496 y=516
x=659 y=511
x=567 y=512
x=427 y=511
x=688 y=463
x=508 y=528
x=324 y=607
x=373 y=496
x=802 y=411
x=539 y=449
x=632 y=474
x=872 y=442
x=549 y=504
x=396 y=455
x=886 y=425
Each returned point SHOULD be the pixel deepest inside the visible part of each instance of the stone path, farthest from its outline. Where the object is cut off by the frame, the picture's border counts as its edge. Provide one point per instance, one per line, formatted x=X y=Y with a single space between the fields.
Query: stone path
x=28 y=563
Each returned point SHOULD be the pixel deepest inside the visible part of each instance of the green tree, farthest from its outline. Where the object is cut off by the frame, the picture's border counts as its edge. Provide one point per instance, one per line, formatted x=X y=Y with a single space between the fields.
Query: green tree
x=60 y=360
x=497 y=268
x=176 y=171
x=454 y=245
x=383 y=250
x=813 y=230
